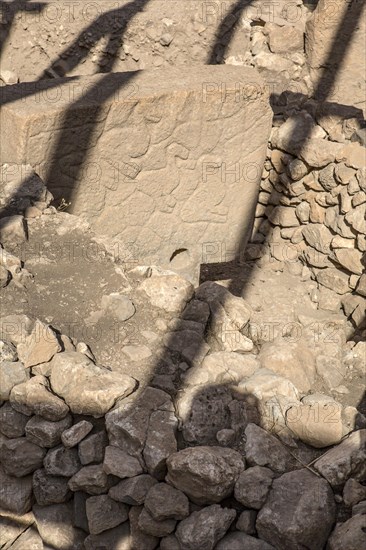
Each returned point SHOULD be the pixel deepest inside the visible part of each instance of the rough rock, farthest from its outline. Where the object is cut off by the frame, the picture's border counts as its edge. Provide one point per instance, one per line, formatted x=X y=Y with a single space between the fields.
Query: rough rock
x=160 y=442
x=117 y=538
x=348 y=459
x=299 y=512
x=8 y=351
x=252 y=487
x=265 y=384
x=202 y=530
x=12 y=422
x=127 y=427
x=72 y=436
x=138 y=538
x=50 y=489
x=317 y=421
x=120 y=463
x=292 y=360
x=351 y=534
x=29 y=539
x=165 y=502
x=34 y=396
x=318 y=237
x=155 y=528
x=40 y=346
x=246 y=522
x=222 y=367
x=92 y=448
x=61 y=461
x=20 y=457
x=90 y=479
x=263 y=449
x=103 y=513
x=15 y=493
x=132 y=491
x=205 y=474
x=119 y=306
x=284 y=217
x=54 y=524
x=16 y=328
x=168 y=292
x=45 y=433
x=11 y=374
x=239 y=541
x=353 y=492
x=189 y=344
x=87 y=388
x=350 y=259
x=12 y=230
x=334 y=279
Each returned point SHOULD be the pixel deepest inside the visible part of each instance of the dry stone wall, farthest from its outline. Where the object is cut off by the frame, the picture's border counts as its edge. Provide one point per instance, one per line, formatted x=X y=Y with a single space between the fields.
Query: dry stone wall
x=312 y=206
x=163 y=160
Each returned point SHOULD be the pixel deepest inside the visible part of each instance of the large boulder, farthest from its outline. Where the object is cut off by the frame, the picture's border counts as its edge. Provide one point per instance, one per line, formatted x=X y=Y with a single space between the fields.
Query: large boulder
x=299 y=512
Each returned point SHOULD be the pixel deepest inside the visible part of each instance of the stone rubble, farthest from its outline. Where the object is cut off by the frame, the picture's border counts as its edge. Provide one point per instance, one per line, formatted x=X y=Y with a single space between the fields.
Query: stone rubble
x=236 y=440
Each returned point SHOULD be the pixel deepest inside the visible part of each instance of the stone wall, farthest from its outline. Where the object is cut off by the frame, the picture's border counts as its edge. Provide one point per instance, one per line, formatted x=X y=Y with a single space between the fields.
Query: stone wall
x=312 y=206
x=163 y=160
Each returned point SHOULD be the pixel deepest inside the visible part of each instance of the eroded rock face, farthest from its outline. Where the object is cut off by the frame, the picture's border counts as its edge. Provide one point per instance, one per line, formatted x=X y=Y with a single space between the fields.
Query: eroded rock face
x=203 y=529
x=351 y=534
x=87 y=388
x=34 y=396
x=205 y=474
x=298 y=513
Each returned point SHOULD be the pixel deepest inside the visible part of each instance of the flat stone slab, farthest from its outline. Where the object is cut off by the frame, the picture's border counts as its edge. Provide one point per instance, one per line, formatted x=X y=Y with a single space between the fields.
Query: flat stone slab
x=165 y=160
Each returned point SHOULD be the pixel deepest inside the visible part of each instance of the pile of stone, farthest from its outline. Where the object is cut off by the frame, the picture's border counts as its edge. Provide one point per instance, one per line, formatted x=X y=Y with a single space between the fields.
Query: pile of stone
x=312 y=204
x=90 y=460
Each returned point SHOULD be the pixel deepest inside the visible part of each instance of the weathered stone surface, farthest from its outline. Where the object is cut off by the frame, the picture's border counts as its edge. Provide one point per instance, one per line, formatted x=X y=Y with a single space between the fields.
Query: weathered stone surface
x=132 y=491
x=120 y=463
x=87 y=388
x=15 y=493
x=128 y=427
x=12 y=230
x=348 y=459
x=318 y=237
x=77 y=432
x=317 y=420
x=40 y=346
x=357 y=218
x=54 y=524
x=239 y=541
x=170 y=543
x=350 y=259
x=155 y=528
x=90 y=479
x=92 y=448
x=252 y=487
x=117 y=538
x=284 y=216
x=351 y=534
x=165 y=502
x=119 y=306
x=292 y=360
x=160 y=442
x=5 y=276
x=20 y=457
x=323 y=30
x=246 y=522
x=205 y=474
x=203 y=529
x=298 y=513
x=34 y=396
x=50 y=489
x=361 y=286
x=353 y=492
x=190 y=344
x=334 y=279
x=29 y=539
x=139 y=539
x=12 y=423
x=264 y=384
x=44 y=432
x=16 y=328
x=103 y=513
x=61 y=461
x=222 y=367
x=263 y=449
x=190 y=210
x=11 y=374
x=8 y=351
x=168 y=292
